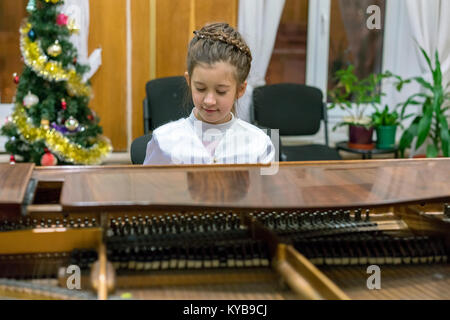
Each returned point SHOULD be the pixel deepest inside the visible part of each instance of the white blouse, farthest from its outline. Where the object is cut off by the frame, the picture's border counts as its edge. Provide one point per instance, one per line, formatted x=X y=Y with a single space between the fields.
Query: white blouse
x=191 y=141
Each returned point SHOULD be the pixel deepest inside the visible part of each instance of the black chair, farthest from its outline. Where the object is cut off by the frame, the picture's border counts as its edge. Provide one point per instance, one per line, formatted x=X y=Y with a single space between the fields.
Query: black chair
x=139 y=148
x=165 y=102
x=295 y=110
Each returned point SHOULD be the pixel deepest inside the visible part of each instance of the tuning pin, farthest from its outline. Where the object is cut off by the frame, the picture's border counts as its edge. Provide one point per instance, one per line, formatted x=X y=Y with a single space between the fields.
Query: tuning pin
x=358 y=215
x=447 y=211
x=367 y=217
x=346 y=214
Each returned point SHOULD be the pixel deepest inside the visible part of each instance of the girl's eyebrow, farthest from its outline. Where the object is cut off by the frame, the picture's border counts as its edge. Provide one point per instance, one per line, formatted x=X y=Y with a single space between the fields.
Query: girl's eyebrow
x=220 y=85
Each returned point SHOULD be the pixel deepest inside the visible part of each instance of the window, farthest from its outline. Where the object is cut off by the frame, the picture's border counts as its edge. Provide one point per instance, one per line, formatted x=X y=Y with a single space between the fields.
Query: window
x=351 y=42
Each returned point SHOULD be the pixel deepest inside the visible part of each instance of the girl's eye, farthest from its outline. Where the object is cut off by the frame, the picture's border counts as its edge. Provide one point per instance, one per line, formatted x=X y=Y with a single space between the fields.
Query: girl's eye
x=201 y=89
x=221 y=92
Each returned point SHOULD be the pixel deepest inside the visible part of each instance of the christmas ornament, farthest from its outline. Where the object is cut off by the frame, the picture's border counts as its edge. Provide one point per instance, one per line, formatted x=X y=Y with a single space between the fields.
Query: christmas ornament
x=55 y=49
x=60 y=128
x=30 y=100
x=71 y=91
x=72 y=26
x=32 y=35
x=63 y=104
x=12 y=160
x=71 y=124
x=31 y=6
x=36 y=59
x=16 y=78
x=45 y=124
x=52 y=1
x=61 y=19
x=48 y=159
x=90 y=117
x=75 y=60
x=60 y=144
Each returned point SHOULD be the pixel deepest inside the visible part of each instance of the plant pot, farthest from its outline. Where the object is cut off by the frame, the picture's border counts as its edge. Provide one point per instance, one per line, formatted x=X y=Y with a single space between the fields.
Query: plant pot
x=360 y=137
x=386 y=137
x=424 y=156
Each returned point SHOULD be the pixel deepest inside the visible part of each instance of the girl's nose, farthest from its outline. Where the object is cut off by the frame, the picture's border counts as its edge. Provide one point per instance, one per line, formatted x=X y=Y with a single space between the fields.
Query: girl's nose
x=210 y=99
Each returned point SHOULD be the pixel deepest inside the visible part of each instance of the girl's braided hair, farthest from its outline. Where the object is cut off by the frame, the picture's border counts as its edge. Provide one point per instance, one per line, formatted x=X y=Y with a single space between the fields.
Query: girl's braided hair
x=220 y=42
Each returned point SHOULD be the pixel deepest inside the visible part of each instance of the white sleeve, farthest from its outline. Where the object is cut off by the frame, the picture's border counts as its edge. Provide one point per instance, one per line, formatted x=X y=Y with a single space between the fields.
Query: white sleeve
x=269 y=153
x=154 y=154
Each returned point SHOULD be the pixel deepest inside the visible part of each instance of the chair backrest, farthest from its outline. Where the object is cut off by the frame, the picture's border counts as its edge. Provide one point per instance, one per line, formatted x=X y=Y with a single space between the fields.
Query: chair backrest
x=139 y=148
x=294 y=109
x=165 y=102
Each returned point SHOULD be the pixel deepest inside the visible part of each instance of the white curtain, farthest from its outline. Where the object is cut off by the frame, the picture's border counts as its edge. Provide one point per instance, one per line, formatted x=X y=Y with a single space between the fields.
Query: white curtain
x=410 y=23
x=398 y=45
x=430 y=26
x=258 y=23
x=79 y=11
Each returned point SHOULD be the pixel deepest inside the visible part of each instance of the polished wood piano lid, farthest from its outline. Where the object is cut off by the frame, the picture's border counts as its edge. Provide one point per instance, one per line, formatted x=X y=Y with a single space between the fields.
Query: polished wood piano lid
x=296 y=185
x=13 y=185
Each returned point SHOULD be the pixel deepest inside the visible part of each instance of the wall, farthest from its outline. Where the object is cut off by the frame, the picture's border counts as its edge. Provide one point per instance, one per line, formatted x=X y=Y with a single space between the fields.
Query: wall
x=158 y=35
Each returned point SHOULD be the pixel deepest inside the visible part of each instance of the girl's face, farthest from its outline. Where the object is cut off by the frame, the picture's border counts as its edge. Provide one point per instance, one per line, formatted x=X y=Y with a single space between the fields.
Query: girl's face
x=214 y=91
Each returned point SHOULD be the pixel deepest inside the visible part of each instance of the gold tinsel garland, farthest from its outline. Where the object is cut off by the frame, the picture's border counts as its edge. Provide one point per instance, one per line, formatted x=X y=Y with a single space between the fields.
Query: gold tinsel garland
x=36 y=59
x=58 y=143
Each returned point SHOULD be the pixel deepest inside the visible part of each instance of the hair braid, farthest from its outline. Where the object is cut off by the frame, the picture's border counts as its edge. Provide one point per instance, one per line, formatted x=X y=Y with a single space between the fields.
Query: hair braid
x=223 y=37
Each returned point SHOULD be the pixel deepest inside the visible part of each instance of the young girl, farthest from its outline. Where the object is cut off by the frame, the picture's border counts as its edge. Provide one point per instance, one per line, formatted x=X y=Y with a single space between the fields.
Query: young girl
x=218 y=64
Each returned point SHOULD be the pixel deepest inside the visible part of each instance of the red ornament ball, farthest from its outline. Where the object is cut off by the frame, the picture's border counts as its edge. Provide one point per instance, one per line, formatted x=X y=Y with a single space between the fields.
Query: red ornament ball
x=90 y=117
x=61 y=19
x=48 y=159
x=12 y=159
x=16 y=78
x=63 y=104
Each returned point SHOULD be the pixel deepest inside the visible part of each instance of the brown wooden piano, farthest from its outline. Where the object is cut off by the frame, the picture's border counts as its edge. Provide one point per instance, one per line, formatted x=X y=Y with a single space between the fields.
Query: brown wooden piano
x=310 y=231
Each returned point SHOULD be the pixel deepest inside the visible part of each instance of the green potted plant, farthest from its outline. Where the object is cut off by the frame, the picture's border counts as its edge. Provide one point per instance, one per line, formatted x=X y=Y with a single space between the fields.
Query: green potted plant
x=385 y=124
x=430 y=122
x=355 y=96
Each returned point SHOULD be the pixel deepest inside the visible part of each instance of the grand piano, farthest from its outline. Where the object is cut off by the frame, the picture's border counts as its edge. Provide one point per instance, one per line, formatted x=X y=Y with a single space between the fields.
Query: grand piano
x=310 y=230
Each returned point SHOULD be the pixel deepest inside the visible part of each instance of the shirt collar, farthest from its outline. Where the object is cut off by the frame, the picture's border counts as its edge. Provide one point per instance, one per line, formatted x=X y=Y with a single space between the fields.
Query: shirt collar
x=205 y=126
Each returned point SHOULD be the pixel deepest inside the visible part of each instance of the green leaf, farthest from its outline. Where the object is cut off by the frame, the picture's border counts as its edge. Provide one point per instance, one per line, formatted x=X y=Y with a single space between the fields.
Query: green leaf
x=432 y=151
x=408 y=135
x=437 y=73
x=411 y=101
x=424 y=83
x=427 y=58
x=424 y=126
x=445 y=137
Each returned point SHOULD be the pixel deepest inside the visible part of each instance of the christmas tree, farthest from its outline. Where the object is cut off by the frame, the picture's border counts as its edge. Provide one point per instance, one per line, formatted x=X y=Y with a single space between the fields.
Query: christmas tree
x=51 y=122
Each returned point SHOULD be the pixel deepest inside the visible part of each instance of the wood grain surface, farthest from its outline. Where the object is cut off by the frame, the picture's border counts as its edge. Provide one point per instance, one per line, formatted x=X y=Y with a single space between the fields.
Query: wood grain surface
x=13 y=183
x=319 y=185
